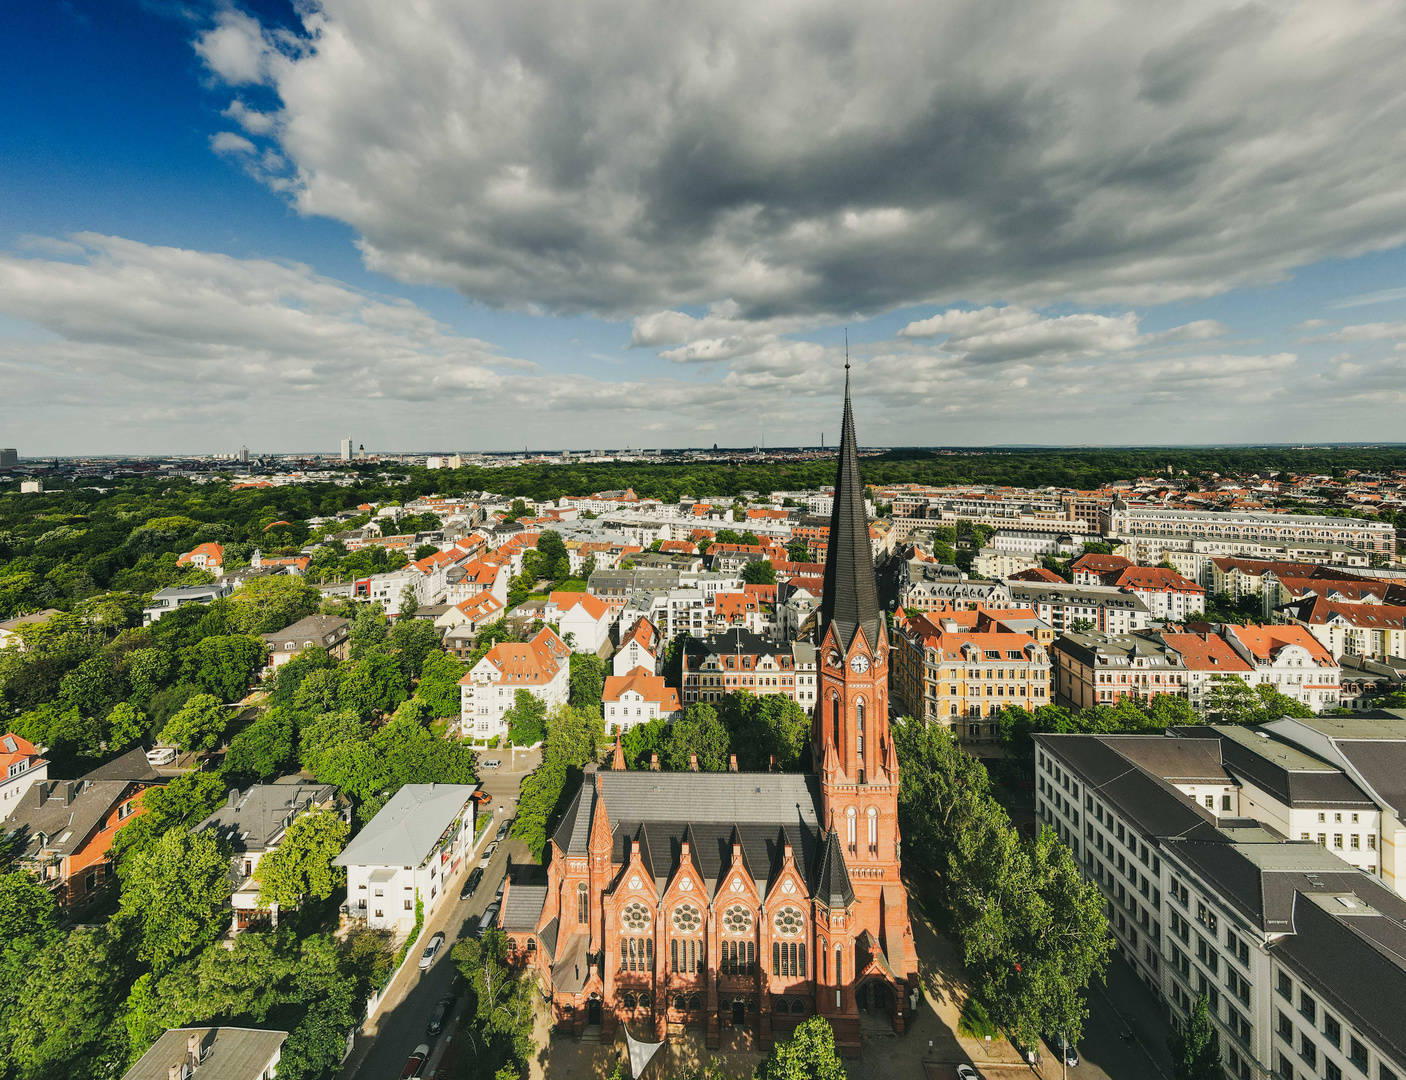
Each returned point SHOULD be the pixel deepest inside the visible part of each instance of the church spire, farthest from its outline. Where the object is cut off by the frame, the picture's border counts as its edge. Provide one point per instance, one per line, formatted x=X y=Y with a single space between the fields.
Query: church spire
x=851 y=598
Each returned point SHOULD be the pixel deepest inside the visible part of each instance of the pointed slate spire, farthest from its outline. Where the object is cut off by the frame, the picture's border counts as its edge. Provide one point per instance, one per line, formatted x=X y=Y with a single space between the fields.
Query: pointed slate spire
x=851 y=599
x=832 y=884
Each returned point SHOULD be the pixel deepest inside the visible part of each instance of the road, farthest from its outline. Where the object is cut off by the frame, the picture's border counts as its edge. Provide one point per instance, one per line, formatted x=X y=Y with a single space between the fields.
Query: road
x=400 y=1025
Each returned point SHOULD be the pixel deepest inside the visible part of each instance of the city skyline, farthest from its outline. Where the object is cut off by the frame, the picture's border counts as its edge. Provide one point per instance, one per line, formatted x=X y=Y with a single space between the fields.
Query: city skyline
x=1159 y=228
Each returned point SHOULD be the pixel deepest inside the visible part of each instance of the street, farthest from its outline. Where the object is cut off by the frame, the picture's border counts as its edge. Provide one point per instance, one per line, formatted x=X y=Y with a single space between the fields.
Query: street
x=399 y=1027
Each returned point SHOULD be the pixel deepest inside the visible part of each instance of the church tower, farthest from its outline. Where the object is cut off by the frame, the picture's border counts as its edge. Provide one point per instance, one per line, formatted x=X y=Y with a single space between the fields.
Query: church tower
x=854 y=756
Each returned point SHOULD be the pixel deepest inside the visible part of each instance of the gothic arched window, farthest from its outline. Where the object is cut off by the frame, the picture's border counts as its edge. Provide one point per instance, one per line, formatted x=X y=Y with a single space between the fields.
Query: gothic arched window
x=581 y=902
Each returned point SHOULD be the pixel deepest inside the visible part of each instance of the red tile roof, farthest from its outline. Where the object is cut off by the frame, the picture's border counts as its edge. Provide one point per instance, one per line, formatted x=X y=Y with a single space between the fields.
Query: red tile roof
x=593 y=605
x=1156 y=579
x=644 y=682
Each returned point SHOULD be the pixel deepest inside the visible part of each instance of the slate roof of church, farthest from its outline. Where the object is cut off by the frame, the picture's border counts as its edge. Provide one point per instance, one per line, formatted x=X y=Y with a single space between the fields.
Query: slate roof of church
x=851 y=598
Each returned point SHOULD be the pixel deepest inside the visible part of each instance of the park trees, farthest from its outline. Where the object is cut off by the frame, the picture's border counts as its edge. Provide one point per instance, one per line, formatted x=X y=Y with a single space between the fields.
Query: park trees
x=572 y=738
x=698 y=732
x=498 y=1032
x=809 y=1054
x=267 y=604
x=439 y=683
x=266 y=748
x=223 y=664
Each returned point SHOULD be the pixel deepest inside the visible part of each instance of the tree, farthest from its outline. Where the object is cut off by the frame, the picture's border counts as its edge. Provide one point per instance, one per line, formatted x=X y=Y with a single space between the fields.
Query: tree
x=809 y=1054
x=265 y=748
x=498 y=1034
x=266 y=605
x=409 y=601
x=587 y=681
x=572 y=738
x=147 y=672
x=424 y=551
x=369 y=627
x=751 y=539
x=798 y=551
x=187 y=799
x=375 y=683
x=413 y=640
x=301 y=865
x=759 y=573
x=290 y=675
x=764 y=727
x=699 y=732
x=223 y=665
x=644 y=739
x=319 y=691
x=123 y=726
x=175 y=896
x=439 y=683
x=199 y=725
x=1195 y=1052
x=92 y=687
x=526 y=718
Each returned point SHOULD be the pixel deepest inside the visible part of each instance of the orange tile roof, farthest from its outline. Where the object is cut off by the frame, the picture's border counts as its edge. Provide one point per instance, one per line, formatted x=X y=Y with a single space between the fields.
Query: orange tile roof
x=1100 y=564
x=1037 y=573
x=23 y=751
x=644 y=682
x=1318 y=610
x=1157 y=579
x=1266 y=641
x=476 y=607
x=1205 y=652
x=534 y=663
x=213 y=553
x=593 y=605
x=645 y=633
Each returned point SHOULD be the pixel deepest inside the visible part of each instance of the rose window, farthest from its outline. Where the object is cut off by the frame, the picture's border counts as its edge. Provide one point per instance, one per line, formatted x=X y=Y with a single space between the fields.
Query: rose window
x=635 y=916
x=789 y=922
x=737 y=920
x=687 y=918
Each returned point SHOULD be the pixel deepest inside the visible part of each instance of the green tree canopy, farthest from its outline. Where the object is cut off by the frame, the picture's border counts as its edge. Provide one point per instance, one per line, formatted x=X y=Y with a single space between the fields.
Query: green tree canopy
x=526 y=718
x=265 y=605
x=223 y=665
x=199 y=725
x=809 y=1054
x=698 y=732
x=439 y=683
x=175 y=896
x=587 y=681
x=1196 y=1052
x=414 y=640
x=759 y=573
x=374 y=684
x=266 y=748
x=301 y=865
x=290 y=675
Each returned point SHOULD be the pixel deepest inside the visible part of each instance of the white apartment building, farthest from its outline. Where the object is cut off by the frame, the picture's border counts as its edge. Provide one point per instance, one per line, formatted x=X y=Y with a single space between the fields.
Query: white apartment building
x=992 y=562
x=541 y=667
x=409 y=851
x=21 y=766
x=1294 y=948
x=1108 y=609
x=1166 y=528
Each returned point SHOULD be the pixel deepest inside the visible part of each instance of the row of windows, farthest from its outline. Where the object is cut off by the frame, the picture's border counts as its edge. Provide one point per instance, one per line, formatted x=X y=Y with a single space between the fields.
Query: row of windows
x=1331 y=1032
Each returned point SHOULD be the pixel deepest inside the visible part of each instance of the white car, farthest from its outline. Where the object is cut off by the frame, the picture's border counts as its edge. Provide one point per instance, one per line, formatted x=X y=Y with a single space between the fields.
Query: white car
x=431 y=951
x=493 y=764
x=966 y=1072
x=161 y=755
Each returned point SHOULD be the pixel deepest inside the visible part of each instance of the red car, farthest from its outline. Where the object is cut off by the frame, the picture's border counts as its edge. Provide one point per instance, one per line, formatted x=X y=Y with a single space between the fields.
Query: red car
x=416 y=1065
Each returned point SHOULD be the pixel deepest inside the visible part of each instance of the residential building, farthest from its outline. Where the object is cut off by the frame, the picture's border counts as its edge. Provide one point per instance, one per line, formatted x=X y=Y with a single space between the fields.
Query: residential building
x=62 y=830
x=462 y=620
x=1041 y=542
x=329 y=632
x=961 y=674
x=9 y=629
x=252 y=824
x=490 y=574
x=722 y=664
x=930 y=586
x=637 y=698
x=165 y=601
x=1094 y=668
x=616 y=587
x=1094 y=569
x=755 y=900
x=21 y=766
x=408 y=852
x=641 y=647
x=1291 y=660
x=585 y=618
x=1297 y=952
x=212 y=1053
x=1370 y=631
x=540 y=666
x=1148 y=530
x=1169 y=596
x=1071 y=607
x=992 y=562
x=206 y=556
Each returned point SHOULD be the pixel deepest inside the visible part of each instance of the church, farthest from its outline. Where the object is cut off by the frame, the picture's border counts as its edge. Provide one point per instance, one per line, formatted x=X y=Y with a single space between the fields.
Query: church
x=717 y=900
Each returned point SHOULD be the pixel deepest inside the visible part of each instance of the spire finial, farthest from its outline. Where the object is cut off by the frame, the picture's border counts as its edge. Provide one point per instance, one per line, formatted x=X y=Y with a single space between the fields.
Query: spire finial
x=846 y=362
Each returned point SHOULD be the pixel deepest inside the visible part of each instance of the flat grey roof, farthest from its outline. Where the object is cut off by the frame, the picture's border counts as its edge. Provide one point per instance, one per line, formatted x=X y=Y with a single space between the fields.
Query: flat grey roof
x=227 y=1053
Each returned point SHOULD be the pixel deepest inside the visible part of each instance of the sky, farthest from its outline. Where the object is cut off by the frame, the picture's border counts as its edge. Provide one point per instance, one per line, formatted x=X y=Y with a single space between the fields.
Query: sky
x=579 y=224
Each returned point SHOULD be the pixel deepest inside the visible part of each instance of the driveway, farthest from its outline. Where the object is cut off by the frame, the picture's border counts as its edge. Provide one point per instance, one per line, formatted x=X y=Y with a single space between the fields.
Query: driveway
x=381 y=1051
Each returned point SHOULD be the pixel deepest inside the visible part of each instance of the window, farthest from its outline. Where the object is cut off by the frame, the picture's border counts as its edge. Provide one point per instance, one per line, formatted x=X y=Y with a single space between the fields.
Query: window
x=1308 y=1050
x=1286 y=1029
x=1309 y=1008
x=581 y=902
x=1286 y=986
x=1357 y=1054
x=409 y=906
x=1333 y=1031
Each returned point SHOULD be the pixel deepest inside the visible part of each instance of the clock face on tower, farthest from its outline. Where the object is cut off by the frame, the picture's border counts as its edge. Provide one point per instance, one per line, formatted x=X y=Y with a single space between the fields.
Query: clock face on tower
x=859 y=664
x=835 y=659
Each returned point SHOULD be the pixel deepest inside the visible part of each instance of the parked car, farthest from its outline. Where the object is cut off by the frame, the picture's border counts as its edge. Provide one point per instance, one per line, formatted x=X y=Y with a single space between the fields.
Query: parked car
x=487 y=854
x=471 y=885
x=431 y=951
x=481 y=798
x=966 y=1072
x=161 y=755
x=443 y=1007
x=502 y=831
x=493 y=763
x=1064 y=1049
x=490 y=916
x=416 y=1065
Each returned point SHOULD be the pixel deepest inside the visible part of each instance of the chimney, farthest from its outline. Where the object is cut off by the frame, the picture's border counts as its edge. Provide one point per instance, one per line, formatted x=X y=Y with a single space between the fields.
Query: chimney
x=653 y=761
x=193 y=1049
x=232 y=798
x=43 y=788
x=771 y=763
x=693 y=762
x=71 y=788
x=731 y=762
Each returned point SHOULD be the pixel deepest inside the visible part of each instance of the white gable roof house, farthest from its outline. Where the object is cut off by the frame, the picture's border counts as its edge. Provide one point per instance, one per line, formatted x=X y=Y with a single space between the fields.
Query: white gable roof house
x=411 y=848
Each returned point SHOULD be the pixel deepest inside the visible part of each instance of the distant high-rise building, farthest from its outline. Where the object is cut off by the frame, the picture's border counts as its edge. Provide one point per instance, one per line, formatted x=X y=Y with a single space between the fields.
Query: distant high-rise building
x=347 y=448
x=244 y=454
x=9 y=458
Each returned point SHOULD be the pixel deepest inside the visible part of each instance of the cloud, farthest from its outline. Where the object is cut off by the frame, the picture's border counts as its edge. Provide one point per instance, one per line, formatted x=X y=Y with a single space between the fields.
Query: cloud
x=828 y=159
x=252 y=121
x=1377 y=331
x=1380 y=297
x=227 y=142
